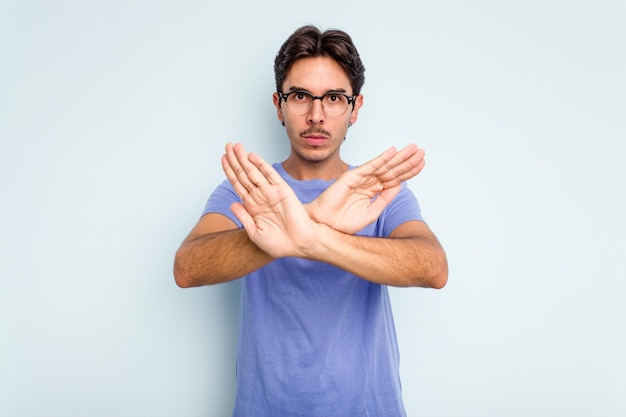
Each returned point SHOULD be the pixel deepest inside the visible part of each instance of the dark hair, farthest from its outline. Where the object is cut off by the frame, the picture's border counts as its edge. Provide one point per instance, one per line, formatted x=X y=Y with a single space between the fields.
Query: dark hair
x=309 y=41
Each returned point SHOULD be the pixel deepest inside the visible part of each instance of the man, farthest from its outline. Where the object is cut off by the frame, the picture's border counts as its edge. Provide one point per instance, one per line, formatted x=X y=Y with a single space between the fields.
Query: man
x=318 y=242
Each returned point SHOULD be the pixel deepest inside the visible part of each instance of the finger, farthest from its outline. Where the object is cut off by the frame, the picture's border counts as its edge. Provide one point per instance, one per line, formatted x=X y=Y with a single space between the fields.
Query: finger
x=383 y=199
x=228 y=170
x=244 y=217
x=412 y=165
x=405 y=173
x=374 y=165
x=237 y=157
x=410 y=160
x=235 y=173
x=399 y=157
x=268 y=171
x=383 y=159
x=254 y=175
x=404 y=165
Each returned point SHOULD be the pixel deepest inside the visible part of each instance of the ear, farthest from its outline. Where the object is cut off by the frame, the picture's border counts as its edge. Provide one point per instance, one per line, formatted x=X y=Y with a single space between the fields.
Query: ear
x=279 y=111
x=358 y=103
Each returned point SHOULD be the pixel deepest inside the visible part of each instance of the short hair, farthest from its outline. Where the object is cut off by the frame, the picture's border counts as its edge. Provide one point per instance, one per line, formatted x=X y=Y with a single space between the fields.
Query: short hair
x=309 y=41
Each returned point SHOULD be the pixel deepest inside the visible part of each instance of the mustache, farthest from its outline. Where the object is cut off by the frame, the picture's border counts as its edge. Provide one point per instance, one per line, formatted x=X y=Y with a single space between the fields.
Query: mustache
x=315 y=130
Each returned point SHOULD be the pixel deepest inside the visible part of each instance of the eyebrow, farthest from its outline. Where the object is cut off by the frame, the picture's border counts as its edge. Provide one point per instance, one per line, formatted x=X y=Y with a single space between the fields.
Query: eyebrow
x=304 y=90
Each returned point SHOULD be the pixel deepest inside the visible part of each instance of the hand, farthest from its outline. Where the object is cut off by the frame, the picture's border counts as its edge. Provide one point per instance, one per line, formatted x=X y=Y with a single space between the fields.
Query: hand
x=271 y=213
x=358 y=196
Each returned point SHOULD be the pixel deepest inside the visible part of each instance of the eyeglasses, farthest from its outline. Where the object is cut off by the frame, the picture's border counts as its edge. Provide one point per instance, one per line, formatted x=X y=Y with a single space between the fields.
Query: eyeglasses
x=301 y=102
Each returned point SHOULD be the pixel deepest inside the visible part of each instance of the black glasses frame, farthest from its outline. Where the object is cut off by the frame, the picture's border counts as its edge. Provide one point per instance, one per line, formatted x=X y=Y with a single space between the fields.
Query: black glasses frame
x=285 y=96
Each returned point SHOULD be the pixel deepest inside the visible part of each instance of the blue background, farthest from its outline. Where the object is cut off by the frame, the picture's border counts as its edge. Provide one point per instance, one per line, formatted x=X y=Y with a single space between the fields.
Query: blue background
x=113 y=118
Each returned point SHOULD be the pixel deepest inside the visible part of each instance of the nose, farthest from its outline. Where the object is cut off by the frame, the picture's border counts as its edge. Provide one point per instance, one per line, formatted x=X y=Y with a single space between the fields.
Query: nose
x=316 y=112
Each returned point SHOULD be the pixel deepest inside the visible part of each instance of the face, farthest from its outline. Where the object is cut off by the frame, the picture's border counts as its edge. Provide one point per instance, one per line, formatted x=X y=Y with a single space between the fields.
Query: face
x=315 y=137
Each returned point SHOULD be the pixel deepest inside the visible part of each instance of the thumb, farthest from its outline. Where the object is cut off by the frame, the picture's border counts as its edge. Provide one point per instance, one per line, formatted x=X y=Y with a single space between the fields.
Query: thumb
x=244 y=217
x=384 y=198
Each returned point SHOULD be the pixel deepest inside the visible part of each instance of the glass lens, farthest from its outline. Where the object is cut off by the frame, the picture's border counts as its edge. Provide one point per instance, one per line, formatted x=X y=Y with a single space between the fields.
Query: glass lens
x=299 y=103
x=333 y=104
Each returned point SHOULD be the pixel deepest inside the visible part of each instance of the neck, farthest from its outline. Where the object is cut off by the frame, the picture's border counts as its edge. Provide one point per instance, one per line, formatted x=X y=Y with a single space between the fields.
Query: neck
x=309 y=170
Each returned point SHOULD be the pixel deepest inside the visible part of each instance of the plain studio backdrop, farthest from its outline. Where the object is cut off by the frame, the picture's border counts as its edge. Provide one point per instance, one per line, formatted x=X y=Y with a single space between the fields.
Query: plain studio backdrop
x=113 y=119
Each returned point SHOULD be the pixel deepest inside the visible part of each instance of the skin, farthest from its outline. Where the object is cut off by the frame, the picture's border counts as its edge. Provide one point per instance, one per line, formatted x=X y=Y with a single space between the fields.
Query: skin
x=317 y=75
x=276 y=224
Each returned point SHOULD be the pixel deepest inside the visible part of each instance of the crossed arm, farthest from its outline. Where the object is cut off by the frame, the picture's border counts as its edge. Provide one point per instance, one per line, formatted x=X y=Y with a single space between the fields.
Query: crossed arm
x=277 y=225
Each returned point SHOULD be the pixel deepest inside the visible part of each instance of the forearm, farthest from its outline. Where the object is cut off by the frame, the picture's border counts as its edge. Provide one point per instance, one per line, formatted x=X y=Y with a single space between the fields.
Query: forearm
x=216 y=258
x=402 y=262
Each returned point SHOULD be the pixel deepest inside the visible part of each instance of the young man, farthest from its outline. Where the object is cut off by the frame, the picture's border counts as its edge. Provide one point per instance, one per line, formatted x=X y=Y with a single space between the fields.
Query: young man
x=317 y=242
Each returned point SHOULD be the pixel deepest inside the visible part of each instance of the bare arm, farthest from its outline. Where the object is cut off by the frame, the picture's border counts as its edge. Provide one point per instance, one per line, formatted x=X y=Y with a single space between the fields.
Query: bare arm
x=216 y=251
x=411 y=256
x=275 y=220
x=360 y=195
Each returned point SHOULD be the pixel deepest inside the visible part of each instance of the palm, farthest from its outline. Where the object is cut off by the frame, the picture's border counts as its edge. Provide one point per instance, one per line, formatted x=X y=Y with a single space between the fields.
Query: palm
x=270 y=211
x=275 y=220
x=360 y=195
x=349 y=204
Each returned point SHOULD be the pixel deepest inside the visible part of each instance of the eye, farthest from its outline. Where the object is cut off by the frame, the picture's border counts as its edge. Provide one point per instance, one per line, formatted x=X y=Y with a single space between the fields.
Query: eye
x=300 y=97
x=335 y=99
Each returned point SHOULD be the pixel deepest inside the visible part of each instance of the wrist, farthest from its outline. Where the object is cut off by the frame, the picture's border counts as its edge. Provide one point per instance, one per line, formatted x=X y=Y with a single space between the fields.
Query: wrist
x=317 y=250
x=311 y=209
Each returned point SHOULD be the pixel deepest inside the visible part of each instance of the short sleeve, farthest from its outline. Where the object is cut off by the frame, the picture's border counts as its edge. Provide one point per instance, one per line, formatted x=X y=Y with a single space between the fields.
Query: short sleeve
x=220 y=200
x=402 y=209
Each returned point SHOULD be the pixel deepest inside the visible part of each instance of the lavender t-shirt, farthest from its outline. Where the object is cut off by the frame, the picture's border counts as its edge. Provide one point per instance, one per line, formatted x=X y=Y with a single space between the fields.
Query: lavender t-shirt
x=315 y=340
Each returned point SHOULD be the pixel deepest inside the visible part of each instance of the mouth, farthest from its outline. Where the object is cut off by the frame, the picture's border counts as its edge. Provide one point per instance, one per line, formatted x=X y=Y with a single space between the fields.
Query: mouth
x=315 y=140
x=315 y=137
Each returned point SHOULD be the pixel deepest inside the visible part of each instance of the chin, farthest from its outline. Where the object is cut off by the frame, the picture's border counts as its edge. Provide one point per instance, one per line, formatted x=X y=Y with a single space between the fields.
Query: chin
x=319 y=154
